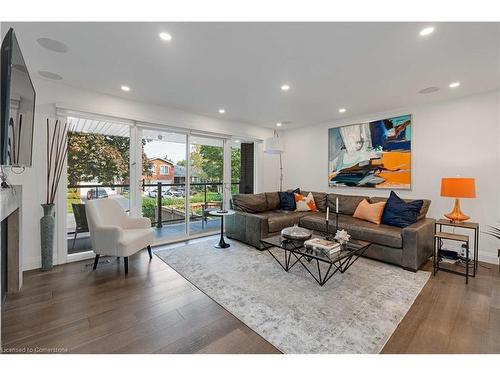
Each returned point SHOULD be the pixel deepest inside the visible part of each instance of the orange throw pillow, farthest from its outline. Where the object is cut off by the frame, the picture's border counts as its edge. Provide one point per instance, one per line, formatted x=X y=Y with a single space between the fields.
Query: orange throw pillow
x=371 y=212
x=305 y=203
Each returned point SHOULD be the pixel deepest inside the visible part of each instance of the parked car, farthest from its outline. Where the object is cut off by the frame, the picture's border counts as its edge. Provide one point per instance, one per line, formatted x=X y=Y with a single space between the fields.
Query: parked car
x=153 y=193
x=97 y=193
x=174 y=193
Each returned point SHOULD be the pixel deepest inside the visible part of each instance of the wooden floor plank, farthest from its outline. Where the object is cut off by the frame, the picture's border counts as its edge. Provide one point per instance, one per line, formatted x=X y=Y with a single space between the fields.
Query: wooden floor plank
x=451 y=317
x=155 y=310
x=152 y=309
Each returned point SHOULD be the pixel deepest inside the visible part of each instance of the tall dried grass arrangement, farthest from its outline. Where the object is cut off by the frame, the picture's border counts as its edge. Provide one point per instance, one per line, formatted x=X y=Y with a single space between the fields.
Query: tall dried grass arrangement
x=57 y=149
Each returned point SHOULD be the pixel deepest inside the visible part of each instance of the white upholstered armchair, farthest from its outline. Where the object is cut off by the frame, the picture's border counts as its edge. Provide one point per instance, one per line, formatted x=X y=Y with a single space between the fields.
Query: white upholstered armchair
x=114 y=233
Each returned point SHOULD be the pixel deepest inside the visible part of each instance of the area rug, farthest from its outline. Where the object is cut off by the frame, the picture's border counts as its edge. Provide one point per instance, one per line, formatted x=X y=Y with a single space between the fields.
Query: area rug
x=354 y=312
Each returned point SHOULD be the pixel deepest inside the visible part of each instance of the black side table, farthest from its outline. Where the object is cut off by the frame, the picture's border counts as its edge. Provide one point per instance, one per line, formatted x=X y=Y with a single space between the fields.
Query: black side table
x=222 y=244
x=465 y=239
x=470 y=226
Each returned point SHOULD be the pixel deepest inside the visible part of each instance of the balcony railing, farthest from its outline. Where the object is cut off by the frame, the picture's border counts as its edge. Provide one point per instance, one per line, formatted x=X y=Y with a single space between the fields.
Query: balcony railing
x=168 y=206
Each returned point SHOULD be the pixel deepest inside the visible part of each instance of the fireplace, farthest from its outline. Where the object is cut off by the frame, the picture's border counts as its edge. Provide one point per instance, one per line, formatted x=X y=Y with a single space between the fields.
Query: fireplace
x=10 y=241
x=3 y=259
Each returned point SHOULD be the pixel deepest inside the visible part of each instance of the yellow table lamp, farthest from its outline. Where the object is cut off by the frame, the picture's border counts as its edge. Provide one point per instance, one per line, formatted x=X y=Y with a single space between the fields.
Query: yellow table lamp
x=458 y=188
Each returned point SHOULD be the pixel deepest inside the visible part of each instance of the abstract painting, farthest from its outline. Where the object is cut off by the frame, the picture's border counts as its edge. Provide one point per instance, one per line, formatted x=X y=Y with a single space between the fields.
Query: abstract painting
x=374 y=154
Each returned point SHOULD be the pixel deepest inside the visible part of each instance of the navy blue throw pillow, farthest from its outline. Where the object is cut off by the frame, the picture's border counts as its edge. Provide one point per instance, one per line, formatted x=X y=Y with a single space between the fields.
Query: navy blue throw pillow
x=287 y=200
x=399 y=213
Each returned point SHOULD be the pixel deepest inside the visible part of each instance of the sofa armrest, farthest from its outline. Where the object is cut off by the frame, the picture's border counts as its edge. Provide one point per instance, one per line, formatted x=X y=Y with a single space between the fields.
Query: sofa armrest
x=418 y=243
x=247 y=227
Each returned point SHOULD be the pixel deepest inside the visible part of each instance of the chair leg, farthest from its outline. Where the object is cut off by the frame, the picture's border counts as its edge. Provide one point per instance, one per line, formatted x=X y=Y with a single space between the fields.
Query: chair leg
x=149 y=252
x=125 y=261
x=74 y=240
x=96 y=260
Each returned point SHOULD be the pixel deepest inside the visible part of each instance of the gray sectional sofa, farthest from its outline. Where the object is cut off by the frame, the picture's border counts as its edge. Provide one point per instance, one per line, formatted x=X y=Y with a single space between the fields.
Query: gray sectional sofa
x=258 y=216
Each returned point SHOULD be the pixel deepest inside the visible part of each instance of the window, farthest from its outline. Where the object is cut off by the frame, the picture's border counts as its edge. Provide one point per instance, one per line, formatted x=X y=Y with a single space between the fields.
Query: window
x=152 y=168
x=164 y=169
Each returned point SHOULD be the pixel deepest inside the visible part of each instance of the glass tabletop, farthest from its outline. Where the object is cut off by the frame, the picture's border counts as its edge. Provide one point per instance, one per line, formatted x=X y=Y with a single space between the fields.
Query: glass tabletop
x=295 y=246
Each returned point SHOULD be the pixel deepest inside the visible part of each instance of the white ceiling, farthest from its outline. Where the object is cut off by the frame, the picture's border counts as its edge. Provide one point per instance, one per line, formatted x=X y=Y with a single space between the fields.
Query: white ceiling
x=364 y=67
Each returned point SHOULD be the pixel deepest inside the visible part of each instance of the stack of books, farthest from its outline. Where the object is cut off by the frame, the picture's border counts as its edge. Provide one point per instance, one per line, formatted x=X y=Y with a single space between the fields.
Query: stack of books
x=329 y=248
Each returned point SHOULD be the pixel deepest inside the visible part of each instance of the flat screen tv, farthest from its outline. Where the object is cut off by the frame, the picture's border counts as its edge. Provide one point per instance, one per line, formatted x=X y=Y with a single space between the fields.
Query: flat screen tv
x=17 y=105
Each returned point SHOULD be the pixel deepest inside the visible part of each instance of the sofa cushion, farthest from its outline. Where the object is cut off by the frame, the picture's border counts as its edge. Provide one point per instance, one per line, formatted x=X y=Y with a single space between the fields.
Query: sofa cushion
x=384 y=235
x=423 y=211
x=252 y=203
x=287 y=200
x=319 y=199
x=371 y=212
x=381 y=234
x=316 y=222
x=399 y=213
x=347 y=203
x=277 y=220
x=425 y=208
x=273 y=201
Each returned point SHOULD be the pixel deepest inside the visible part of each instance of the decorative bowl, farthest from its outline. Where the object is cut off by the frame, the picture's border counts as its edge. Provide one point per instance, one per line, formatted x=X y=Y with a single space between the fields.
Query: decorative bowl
x=296 y=233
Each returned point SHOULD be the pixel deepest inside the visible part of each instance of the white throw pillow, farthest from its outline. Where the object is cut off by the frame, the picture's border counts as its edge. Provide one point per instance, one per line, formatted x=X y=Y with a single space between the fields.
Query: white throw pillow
x=305 y=203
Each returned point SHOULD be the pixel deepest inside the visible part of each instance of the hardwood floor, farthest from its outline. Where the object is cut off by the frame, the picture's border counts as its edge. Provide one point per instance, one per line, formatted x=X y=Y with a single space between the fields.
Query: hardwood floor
x=451 y=317
x=155 y=310
x=151 y=310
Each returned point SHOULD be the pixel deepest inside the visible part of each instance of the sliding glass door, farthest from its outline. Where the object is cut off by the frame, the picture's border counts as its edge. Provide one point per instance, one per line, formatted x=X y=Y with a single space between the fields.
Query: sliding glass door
x=206 y=171
x=164 y=185
x=173 y=177
x=182 y=180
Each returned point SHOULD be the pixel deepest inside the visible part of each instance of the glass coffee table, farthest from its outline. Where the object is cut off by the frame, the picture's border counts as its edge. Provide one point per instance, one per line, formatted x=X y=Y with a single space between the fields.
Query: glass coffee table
x=313 y=260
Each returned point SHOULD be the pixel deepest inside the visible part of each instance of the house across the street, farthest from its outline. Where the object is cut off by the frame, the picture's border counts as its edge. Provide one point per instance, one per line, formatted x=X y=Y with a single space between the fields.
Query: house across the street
x=162 y=170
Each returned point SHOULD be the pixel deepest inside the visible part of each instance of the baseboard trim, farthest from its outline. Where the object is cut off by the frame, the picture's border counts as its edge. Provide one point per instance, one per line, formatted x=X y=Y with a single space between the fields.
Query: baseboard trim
x=489 y=259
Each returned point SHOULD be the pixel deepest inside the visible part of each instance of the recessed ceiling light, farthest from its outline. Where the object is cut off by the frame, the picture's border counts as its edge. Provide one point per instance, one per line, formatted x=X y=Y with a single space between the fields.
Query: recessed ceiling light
x=166 y=36
x=285 y=87
x=342 y=110
x=53 y=45
x=426 y=31
x=429 y=90
x=278 y=124
x=50 y=75
x=125 y=88
x=237 y=140
x=222 y=111
x=454 y=85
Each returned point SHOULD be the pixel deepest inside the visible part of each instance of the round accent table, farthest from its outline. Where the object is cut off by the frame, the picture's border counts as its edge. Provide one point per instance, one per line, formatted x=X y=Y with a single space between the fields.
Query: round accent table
x=222 y=244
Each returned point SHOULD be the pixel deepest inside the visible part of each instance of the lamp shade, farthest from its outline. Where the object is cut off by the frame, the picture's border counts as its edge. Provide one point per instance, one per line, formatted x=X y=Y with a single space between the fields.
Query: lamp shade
x=273 y=145
x=458 y=187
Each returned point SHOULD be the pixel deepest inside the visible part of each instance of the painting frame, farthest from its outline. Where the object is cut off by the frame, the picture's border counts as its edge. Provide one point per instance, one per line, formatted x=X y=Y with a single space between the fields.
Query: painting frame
x=372 y=154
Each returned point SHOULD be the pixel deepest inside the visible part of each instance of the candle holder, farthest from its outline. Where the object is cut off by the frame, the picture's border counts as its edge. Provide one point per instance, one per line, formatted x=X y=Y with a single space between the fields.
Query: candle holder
x=327 y=234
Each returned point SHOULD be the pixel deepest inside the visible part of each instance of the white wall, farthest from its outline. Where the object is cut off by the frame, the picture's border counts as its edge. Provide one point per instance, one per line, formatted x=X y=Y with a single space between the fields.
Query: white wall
x=51 y=94
x=459 y=137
